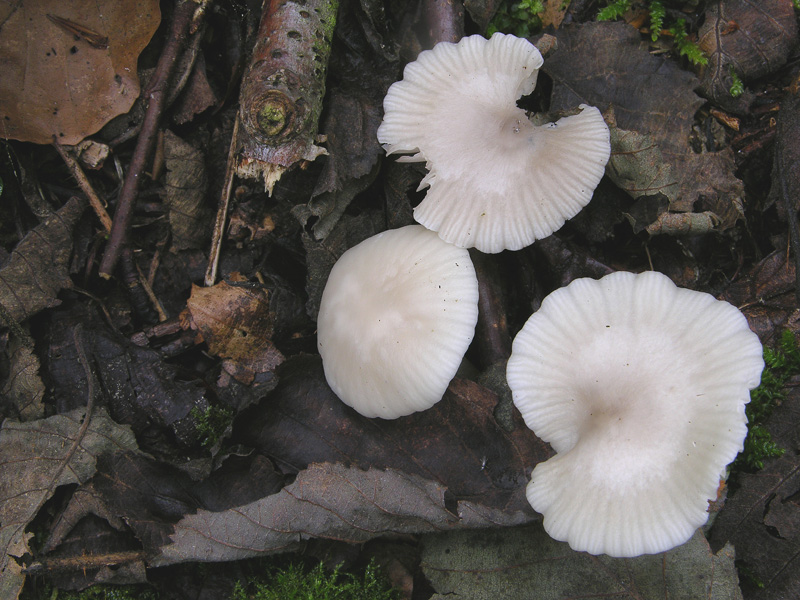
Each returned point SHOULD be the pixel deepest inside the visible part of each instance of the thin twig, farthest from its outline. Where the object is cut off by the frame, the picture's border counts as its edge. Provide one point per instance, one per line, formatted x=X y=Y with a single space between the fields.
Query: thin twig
x=222 y=209
x=156 y=95
x=86 y=187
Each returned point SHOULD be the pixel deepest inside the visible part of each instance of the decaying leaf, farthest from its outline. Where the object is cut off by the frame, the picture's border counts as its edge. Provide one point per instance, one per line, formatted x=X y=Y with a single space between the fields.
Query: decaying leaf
x=762 y=516
x=329 y=501
x=186 y=185
x=23 y=387
x=484 y=565
x=38 y=267
x=37 y=457
x=138 y=386
x=457 y=443
x=237 y=323
x=785 y=190
x=608 y=65
x=133 y=491
x=744 y=39
x=70 y=67
x=765 y=294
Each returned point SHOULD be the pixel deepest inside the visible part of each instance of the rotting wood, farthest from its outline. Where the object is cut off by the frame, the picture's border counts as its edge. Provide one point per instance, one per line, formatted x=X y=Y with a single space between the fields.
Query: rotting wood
x=281 y=97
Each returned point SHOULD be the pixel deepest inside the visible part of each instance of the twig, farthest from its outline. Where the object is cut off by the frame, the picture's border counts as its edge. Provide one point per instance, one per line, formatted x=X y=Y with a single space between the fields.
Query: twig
x=786 y=198
x=444 y=20
x=83 y=183
x=156 y=94
x=222 y=210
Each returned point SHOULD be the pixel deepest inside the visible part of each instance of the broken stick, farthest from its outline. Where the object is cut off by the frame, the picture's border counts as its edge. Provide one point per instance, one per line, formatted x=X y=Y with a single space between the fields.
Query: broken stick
x=281 y=97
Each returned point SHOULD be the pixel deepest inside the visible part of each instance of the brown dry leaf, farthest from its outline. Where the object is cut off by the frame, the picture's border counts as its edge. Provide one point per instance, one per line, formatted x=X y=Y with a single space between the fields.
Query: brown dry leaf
x=39 y=266
x=457 y=443
x=186 y=185
x=554 y=12
x=70 y=67
x=329 y=501
x=237 y=322
x=39 y=456
x=608 y=65
x=23 y=387
x=748 y=38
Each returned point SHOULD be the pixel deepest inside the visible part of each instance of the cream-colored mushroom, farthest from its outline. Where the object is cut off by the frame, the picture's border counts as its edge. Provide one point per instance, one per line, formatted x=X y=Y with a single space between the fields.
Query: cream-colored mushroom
x=640 y=387
x=396 y=317
x=496 y=180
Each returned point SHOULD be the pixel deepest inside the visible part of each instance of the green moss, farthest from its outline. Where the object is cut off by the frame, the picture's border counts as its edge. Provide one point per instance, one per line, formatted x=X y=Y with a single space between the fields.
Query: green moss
x=520 y=18
x=295 y=583
x=614 y=10
x=737 y=86
x=780 y=365
x=211 y=423
x=685 y=46
x=104 y=592
x=657 y=14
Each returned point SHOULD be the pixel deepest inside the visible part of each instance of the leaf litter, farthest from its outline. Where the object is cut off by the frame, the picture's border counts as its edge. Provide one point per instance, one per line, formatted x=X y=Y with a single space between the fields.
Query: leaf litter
x=297 y=465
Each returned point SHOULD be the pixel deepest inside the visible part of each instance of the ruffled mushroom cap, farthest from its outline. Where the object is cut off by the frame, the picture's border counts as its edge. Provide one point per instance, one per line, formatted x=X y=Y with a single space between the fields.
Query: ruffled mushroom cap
x=396 y=317
x=497 y=182
x=640 y=387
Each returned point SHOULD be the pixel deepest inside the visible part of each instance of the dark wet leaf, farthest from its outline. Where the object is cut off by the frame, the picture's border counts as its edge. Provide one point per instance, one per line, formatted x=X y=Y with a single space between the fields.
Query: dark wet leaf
x=765 y=294
x=786 y=166
x=747 y=39
x=138 y=386
x=484 y=565
x=23 y=388
x=131 y=491
x=237 y=323
x=327 y=501
x=363 y=67
x=67 y=76
x=39 y=266
x=186 y=186
x=608 y=65
x=37 y=457
x=457 y=443
x=762 y=516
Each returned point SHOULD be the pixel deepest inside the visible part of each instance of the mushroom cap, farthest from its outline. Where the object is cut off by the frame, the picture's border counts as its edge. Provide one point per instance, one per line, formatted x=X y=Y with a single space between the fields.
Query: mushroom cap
x=397 y=315
x=640 y=387
x=497 y=182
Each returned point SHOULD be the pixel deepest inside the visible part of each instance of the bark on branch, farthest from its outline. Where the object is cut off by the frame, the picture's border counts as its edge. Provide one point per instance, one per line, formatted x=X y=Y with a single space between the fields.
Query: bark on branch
x=281 y=97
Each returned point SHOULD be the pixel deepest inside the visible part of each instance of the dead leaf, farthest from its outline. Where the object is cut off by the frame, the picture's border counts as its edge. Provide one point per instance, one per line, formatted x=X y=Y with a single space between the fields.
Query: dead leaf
x=39 y=266
x=139 y=387
x=554 y=12
x=765 y=294
x=786 y=165
x=57 y=83
x=133 y=491
x=457 y=443
x=186 y=186
x=637 y=166
x=607 y=64
x=23 y=387
x=485 y=565
x=328 y=501
x=39 y=456
x=747 y=39
x=237 y=323
x=762 y=516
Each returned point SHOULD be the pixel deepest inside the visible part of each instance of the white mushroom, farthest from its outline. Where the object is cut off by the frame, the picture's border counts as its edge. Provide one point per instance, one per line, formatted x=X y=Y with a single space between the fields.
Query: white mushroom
x=396 y=317
x=640 y=387
x=496 y=181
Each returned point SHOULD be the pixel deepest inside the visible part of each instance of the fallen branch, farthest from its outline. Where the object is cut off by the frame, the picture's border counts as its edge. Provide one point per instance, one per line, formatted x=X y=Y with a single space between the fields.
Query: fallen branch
x=281 y=97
